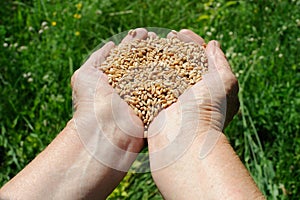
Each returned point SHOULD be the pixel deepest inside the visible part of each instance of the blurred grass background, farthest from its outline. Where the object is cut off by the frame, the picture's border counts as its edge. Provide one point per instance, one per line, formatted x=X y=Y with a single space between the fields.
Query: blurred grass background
x=42 y=42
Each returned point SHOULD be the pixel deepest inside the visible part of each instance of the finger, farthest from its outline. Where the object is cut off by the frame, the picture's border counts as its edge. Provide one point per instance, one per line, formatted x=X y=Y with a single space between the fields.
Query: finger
x=172 y=34
x=187 y=35
x=216 y=57
x=152 y=35
x=99 y=56
x=139 y=33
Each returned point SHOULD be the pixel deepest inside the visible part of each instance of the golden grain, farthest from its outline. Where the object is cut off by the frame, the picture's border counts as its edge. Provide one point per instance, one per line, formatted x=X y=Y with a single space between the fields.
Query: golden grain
x=151 y=74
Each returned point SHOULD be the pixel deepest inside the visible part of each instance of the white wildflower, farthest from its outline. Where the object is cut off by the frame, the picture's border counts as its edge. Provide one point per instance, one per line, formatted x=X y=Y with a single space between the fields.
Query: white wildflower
x=44 y=23
x=30 y=28
x=22 y=48
x=27 y=75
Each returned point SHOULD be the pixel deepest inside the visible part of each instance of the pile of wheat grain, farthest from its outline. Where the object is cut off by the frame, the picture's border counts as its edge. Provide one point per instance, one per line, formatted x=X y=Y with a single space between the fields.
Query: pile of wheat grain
x=151 y=74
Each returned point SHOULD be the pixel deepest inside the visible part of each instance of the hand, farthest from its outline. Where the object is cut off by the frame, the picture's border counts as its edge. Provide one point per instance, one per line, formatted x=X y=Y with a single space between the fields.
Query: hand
x=208 y=105
x=102 y=119
x=188 y=130
x=92 y=154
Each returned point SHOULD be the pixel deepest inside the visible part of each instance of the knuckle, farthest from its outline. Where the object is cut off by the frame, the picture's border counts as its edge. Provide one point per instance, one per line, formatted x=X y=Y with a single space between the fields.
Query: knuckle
x=231 y=81
x=74 y=78
x=234 y=85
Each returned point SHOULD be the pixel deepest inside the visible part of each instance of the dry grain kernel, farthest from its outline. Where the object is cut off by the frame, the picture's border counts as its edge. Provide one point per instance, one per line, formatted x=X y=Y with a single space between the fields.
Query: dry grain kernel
x=151 y=74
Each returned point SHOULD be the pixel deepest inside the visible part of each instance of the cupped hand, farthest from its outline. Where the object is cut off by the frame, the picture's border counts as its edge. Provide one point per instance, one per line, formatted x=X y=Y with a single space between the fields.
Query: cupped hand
x=107 y=126
x=201 y=111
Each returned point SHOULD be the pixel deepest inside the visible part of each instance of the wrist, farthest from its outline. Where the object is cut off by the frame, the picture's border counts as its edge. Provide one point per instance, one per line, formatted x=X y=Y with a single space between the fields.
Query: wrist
x=65 y=162
x=68 y=163
x=112 y=147
x=212 y=163
x=110 y=132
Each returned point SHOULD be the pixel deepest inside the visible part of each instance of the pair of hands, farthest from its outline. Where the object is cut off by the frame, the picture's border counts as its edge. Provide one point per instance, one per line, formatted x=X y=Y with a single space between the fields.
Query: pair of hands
x=113 y=134
x=190 y=158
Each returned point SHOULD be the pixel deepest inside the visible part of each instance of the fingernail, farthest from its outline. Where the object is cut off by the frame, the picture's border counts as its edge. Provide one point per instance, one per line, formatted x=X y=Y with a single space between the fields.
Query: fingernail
x=174 y=32
x=132 y=33
x=214 y=46
x=216 y=43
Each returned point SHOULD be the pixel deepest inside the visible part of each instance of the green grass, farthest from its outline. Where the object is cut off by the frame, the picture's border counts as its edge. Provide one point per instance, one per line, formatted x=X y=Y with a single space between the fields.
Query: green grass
x=43 y=42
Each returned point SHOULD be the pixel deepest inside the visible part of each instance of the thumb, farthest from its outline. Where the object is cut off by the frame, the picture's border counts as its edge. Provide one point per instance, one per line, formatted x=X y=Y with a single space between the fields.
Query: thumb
x=99 y=55
x=216 y=58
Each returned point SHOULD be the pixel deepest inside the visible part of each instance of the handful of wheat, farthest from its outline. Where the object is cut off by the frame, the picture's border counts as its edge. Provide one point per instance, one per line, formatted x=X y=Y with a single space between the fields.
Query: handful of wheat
x=151 y=74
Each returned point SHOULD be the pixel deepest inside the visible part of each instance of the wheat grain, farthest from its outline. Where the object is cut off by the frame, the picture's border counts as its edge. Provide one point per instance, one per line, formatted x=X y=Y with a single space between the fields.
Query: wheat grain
x=151 y=74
